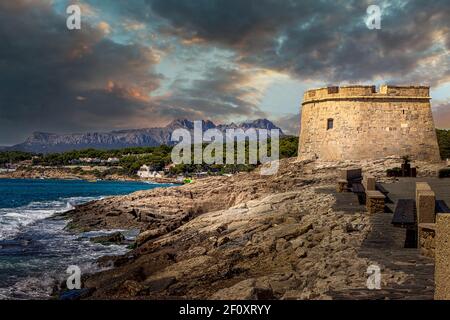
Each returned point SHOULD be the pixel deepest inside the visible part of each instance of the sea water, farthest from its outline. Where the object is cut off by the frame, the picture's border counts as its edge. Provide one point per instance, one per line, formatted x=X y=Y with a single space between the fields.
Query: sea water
x=35 y=251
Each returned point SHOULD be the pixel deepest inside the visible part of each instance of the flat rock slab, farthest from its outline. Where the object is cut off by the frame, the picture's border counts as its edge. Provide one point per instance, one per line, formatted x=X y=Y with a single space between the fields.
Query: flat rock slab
x=348 y=202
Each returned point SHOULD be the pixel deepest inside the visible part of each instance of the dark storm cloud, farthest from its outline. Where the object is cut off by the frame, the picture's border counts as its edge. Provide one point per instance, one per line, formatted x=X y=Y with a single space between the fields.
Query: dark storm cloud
x=53 y=79
x=221 y=93
x=324 y=40
x=441 y=114
x=56 y=79
x=289 y=123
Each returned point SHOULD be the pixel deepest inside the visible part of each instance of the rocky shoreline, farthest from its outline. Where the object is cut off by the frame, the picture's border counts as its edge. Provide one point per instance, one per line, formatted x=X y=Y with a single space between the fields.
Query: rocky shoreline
x=57 y=173
x=242 y=237
x=67 y=174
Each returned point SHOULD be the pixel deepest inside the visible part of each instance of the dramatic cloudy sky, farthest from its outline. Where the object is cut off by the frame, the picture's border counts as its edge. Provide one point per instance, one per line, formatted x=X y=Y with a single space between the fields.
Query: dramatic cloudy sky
x=143 y=63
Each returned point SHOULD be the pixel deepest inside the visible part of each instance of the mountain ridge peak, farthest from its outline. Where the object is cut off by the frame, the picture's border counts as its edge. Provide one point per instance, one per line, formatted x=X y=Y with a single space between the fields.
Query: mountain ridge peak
x=46 y=142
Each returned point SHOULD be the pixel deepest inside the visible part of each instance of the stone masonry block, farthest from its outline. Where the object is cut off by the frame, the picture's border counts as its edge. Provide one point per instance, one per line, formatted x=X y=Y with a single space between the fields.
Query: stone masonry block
x=425 y=204
x=426 y=238
x=369 y=182
x=422 y=186
x=442 y=258
x=367 y=124
x=375 y=202
x=342 y=185
x=351 y=174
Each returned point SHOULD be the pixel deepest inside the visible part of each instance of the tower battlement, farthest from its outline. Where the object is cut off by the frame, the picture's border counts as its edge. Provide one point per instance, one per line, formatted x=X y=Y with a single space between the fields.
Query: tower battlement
x=366 y=92
x=360 y=122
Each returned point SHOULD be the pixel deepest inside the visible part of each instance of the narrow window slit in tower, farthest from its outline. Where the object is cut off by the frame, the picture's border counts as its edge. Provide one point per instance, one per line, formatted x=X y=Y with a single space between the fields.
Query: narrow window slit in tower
x=329 y=124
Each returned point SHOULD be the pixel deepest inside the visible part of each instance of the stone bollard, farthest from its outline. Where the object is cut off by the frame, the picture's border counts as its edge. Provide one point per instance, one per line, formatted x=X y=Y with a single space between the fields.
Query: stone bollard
x=342 y=185
x=369 y=183
x=425 y=204
x=375 y=202
x=442 y=257
x=422 y=186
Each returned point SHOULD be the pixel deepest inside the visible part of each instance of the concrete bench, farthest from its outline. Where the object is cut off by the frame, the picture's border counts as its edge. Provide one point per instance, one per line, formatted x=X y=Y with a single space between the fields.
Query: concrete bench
x=358 y=188
x=351 y=174
x=347 y=177
x=382 y=189
x=375 y=201
x=441 y=207
x=404 y=213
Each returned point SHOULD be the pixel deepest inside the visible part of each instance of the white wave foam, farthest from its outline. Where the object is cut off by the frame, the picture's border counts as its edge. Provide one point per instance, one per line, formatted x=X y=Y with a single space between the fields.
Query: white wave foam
x=30 y=288
x=12 y=220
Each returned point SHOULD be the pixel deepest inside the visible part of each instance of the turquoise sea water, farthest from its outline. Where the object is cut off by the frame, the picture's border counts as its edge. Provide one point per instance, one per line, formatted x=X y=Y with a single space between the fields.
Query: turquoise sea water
x=35 y=251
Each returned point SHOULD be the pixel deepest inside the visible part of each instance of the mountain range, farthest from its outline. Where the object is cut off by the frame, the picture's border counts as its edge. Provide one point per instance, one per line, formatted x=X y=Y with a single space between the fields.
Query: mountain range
x=42 y=142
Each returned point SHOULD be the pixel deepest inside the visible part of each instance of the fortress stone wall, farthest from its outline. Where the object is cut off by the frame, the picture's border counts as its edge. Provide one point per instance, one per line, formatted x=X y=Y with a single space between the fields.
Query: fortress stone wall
x=357 y=122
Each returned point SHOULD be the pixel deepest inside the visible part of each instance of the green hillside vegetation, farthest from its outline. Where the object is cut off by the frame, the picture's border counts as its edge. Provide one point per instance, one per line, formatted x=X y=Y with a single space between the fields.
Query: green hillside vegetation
x=443 y=137
x=14 y=157
x=131 y=159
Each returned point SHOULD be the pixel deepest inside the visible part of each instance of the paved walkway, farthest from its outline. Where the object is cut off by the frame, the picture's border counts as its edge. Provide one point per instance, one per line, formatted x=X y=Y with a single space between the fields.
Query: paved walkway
x=405 y=188
x=385 y=246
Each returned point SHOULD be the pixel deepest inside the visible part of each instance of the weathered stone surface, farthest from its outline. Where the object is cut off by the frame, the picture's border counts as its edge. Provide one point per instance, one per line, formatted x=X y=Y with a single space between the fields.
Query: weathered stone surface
x=369 y=182
x=422 y=186
x=300 y=248
x=427 y=239
x=131 y=288
x=425 y=204
x=149 y=234
x=114 y=238
x=375 y=202
x=342 y=185
x=160 y=284
x=442 y=257
x=367 y=124
x=250 y=289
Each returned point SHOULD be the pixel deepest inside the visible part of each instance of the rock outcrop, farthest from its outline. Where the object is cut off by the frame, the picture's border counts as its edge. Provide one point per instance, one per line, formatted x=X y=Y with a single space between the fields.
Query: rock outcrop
x=241 y=237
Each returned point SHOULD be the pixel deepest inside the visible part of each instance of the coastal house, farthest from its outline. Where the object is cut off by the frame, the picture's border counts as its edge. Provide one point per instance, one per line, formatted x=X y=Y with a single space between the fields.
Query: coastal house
x=24 y=163
x=113 y=160
x=168 y=167
x=90 y=160
x=148 y=172
x=201 y=174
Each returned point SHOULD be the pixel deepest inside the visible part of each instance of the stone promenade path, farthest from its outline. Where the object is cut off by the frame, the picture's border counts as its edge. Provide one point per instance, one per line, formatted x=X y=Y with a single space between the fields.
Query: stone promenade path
x=385 y=247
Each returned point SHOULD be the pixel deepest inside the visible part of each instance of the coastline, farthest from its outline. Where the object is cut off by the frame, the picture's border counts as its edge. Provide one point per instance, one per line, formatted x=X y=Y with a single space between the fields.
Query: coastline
x=35 y=242
x=241 y=237
x=66 y=174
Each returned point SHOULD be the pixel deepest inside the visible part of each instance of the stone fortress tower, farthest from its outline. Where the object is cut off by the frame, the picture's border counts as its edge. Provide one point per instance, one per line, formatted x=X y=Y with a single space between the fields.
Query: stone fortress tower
x=357 y=122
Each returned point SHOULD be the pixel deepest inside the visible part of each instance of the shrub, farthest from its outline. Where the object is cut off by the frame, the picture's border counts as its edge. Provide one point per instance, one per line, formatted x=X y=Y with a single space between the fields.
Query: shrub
x=406 y=159
x=444 y=173
x=394 y=172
